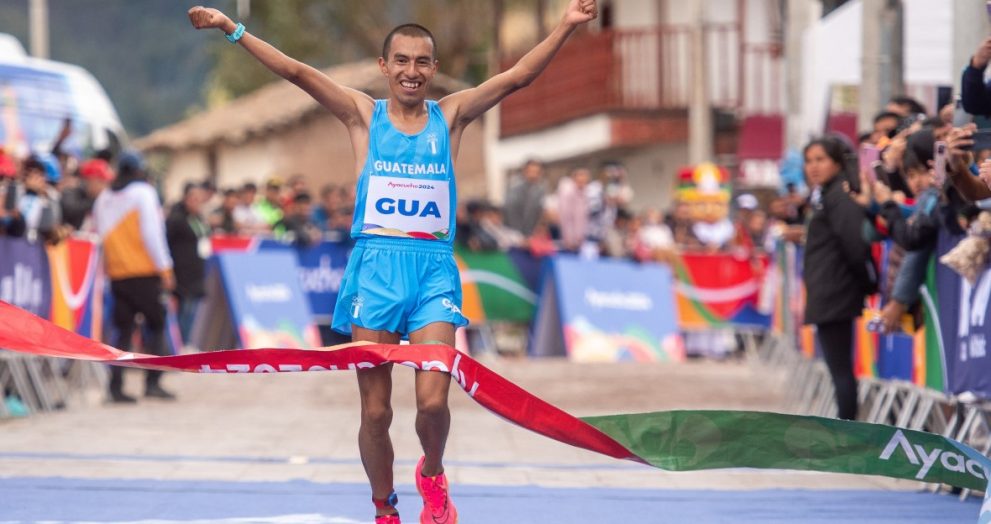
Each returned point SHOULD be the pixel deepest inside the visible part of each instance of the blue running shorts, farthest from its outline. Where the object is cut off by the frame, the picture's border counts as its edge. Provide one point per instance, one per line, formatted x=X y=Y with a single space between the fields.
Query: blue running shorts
x=399 y=285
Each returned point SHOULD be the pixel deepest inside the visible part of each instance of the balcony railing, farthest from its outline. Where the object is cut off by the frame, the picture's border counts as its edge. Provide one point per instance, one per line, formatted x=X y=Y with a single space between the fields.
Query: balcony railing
x=645 y=70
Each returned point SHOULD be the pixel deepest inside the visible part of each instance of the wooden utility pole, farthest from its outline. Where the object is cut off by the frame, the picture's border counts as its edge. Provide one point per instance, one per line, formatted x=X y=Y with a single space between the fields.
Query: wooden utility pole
x=700 y=107
x=801 y=15
x=38 y=20
x=495 y=178
x=881 y=64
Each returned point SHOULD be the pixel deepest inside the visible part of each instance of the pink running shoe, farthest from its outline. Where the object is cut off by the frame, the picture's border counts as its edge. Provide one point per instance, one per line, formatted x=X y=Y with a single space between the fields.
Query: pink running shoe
x=437 y=505
x=389 y=502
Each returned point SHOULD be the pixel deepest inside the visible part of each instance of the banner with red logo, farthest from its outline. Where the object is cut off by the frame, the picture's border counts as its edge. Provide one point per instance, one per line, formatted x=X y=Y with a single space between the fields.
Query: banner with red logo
x=719 y=290
x=77 y=286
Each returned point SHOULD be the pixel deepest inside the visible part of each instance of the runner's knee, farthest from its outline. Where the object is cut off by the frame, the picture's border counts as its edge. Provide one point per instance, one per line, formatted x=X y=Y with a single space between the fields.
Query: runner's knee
x=431 y=406
x=376 y=418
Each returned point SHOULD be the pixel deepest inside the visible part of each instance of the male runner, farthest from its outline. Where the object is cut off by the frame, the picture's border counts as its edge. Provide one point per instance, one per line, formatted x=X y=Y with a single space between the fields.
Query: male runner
x=401 y=279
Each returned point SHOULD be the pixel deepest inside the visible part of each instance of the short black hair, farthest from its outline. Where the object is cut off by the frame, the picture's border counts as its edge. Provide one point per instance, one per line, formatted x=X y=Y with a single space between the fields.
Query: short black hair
x=886 y=114
x=416 y=30
x=302 y=198
x=914 y=107
x=934 y=122
x=249 y=186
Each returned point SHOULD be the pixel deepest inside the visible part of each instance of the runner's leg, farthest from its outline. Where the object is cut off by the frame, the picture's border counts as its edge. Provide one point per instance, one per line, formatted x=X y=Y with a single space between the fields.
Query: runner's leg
x=374 y=444
x=433 y=417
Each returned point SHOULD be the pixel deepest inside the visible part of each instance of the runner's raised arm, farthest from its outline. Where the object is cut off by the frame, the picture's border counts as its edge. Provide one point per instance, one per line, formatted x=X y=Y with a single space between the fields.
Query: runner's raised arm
x=349 y=105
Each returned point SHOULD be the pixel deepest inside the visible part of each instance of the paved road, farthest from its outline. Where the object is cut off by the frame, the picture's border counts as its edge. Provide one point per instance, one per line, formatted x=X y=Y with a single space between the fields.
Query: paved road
x=282 y=449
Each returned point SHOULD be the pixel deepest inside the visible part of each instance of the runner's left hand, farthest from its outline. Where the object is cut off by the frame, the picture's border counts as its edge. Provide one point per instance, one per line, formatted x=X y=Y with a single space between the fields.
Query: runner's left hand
x=580 y=12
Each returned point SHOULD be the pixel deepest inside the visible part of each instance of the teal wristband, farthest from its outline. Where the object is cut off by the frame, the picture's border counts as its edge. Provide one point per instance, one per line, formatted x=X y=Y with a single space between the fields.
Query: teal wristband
x=237 y=34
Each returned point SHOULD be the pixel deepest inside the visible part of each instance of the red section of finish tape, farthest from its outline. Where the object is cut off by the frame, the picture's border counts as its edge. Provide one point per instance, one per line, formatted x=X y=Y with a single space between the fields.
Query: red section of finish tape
x=26 y=333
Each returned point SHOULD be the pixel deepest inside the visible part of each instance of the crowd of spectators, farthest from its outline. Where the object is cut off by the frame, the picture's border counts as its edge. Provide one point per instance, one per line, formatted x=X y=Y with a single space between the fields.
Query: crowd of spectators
x=591 y=213
x=912 y=178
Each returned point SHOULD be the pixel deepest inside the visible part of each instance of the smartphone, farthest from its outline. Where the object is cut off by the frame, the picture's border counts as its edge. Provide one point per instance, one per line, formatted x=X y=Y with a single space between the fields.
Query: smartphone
x=982 y=140
x=868 y=155
x=877 y=172
x=939 y=162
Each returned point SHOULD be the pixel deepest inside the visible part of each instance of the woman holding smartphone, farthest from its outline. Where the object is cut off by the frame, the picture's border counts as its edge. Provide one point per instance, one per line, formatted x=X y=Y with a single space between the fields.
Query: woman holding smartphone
x=838 y=270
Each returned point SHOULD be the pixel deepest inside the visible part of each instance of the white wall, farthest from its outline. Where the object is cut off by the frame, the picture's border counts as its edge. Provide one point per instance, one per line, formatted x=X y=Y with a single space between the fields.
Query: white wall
x=653 y=174
x=635 y=14
x=832 y=53
x=575 y=138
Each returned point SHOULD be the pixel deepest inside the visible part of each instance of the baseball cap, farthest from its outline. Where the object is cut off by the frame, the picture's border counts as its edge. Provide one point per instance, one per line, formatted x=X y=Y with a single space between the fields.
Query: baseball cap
x=53 y=173
x=131 y=160
x=7 y=167
x=747 y=201
x=97 y=169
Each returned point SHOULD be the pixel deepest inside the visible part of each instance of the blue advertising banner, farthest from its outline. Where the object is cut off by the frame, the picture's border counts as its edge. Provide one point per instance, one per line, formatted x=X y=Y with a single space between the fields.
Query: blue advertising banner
x=608 y=310
x=268 y=306
x=321 y=268
x=963 y=312
x=25 y=278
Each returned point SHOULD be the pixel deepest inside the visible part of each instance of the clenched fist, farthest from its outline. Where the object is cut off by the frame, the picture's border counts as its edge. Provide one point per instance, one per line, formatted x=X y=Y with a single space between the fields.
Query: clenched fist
x=208 y=18
x=580 y=12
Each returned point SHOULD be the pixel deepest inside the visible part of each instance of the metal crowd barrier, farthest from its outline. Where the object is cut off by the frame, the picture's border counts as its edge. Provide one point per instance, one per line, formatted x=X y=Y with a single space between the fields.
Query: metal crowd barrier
x=44 y=384
x=808 y=390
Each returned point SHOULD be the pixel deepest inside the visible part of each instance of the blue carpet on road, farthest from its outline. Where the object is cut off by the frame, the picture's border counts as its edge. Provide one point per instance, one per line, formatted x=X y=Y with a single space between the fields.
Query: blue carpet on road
x=58 y=500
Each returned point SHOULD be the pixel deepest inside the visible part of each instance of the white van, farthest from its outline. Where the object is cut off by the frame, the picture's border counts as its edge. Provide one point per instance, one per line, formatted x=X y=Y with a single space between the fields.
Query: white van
x=36 y=96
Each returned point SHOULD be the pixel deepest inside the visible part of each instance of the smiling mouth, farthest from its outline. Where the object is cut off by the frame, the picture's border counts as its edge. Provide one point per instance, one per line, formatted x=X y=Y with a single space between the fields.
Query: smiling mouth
x=410 y=85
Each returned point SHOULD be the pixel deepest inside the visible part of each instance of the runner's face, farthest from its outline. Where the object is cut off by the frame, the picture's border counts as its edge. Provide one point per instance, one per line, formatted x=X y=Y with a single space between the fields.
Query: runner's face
x=410 y=67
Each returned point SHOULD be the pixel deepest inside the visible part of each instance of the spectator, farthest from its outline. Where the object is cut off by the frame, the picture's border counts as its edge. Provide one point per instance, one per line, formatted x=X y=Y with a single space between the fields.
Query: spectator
x=297 y=225
x=247 y=218
x=975 y=94
x=960 y=159
x=906 y=107
x=654 y=238
x=340 y=225
x=837 y=266
x=37 y=213
x=616 y=194
x=746 y=207
x=128 y=218
x=222 y=219
x=77 y=202
x=330 y=201
x=525 y=199
x=209 y=193
x=295 y=185
x=491 y=221
x=682 y=228
x=269 y=208
x=189 y=242
x=540 y=243
x=885 y=124
x=917 y=235
x=573 y=208
x=470 y=229
x=617 y=241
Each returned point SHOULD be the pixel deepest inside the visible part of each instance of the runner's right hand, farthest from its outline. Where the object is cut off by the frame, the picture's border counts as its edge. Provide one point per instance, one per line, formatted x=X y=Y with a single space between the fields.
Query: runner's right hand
x=208 y=18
